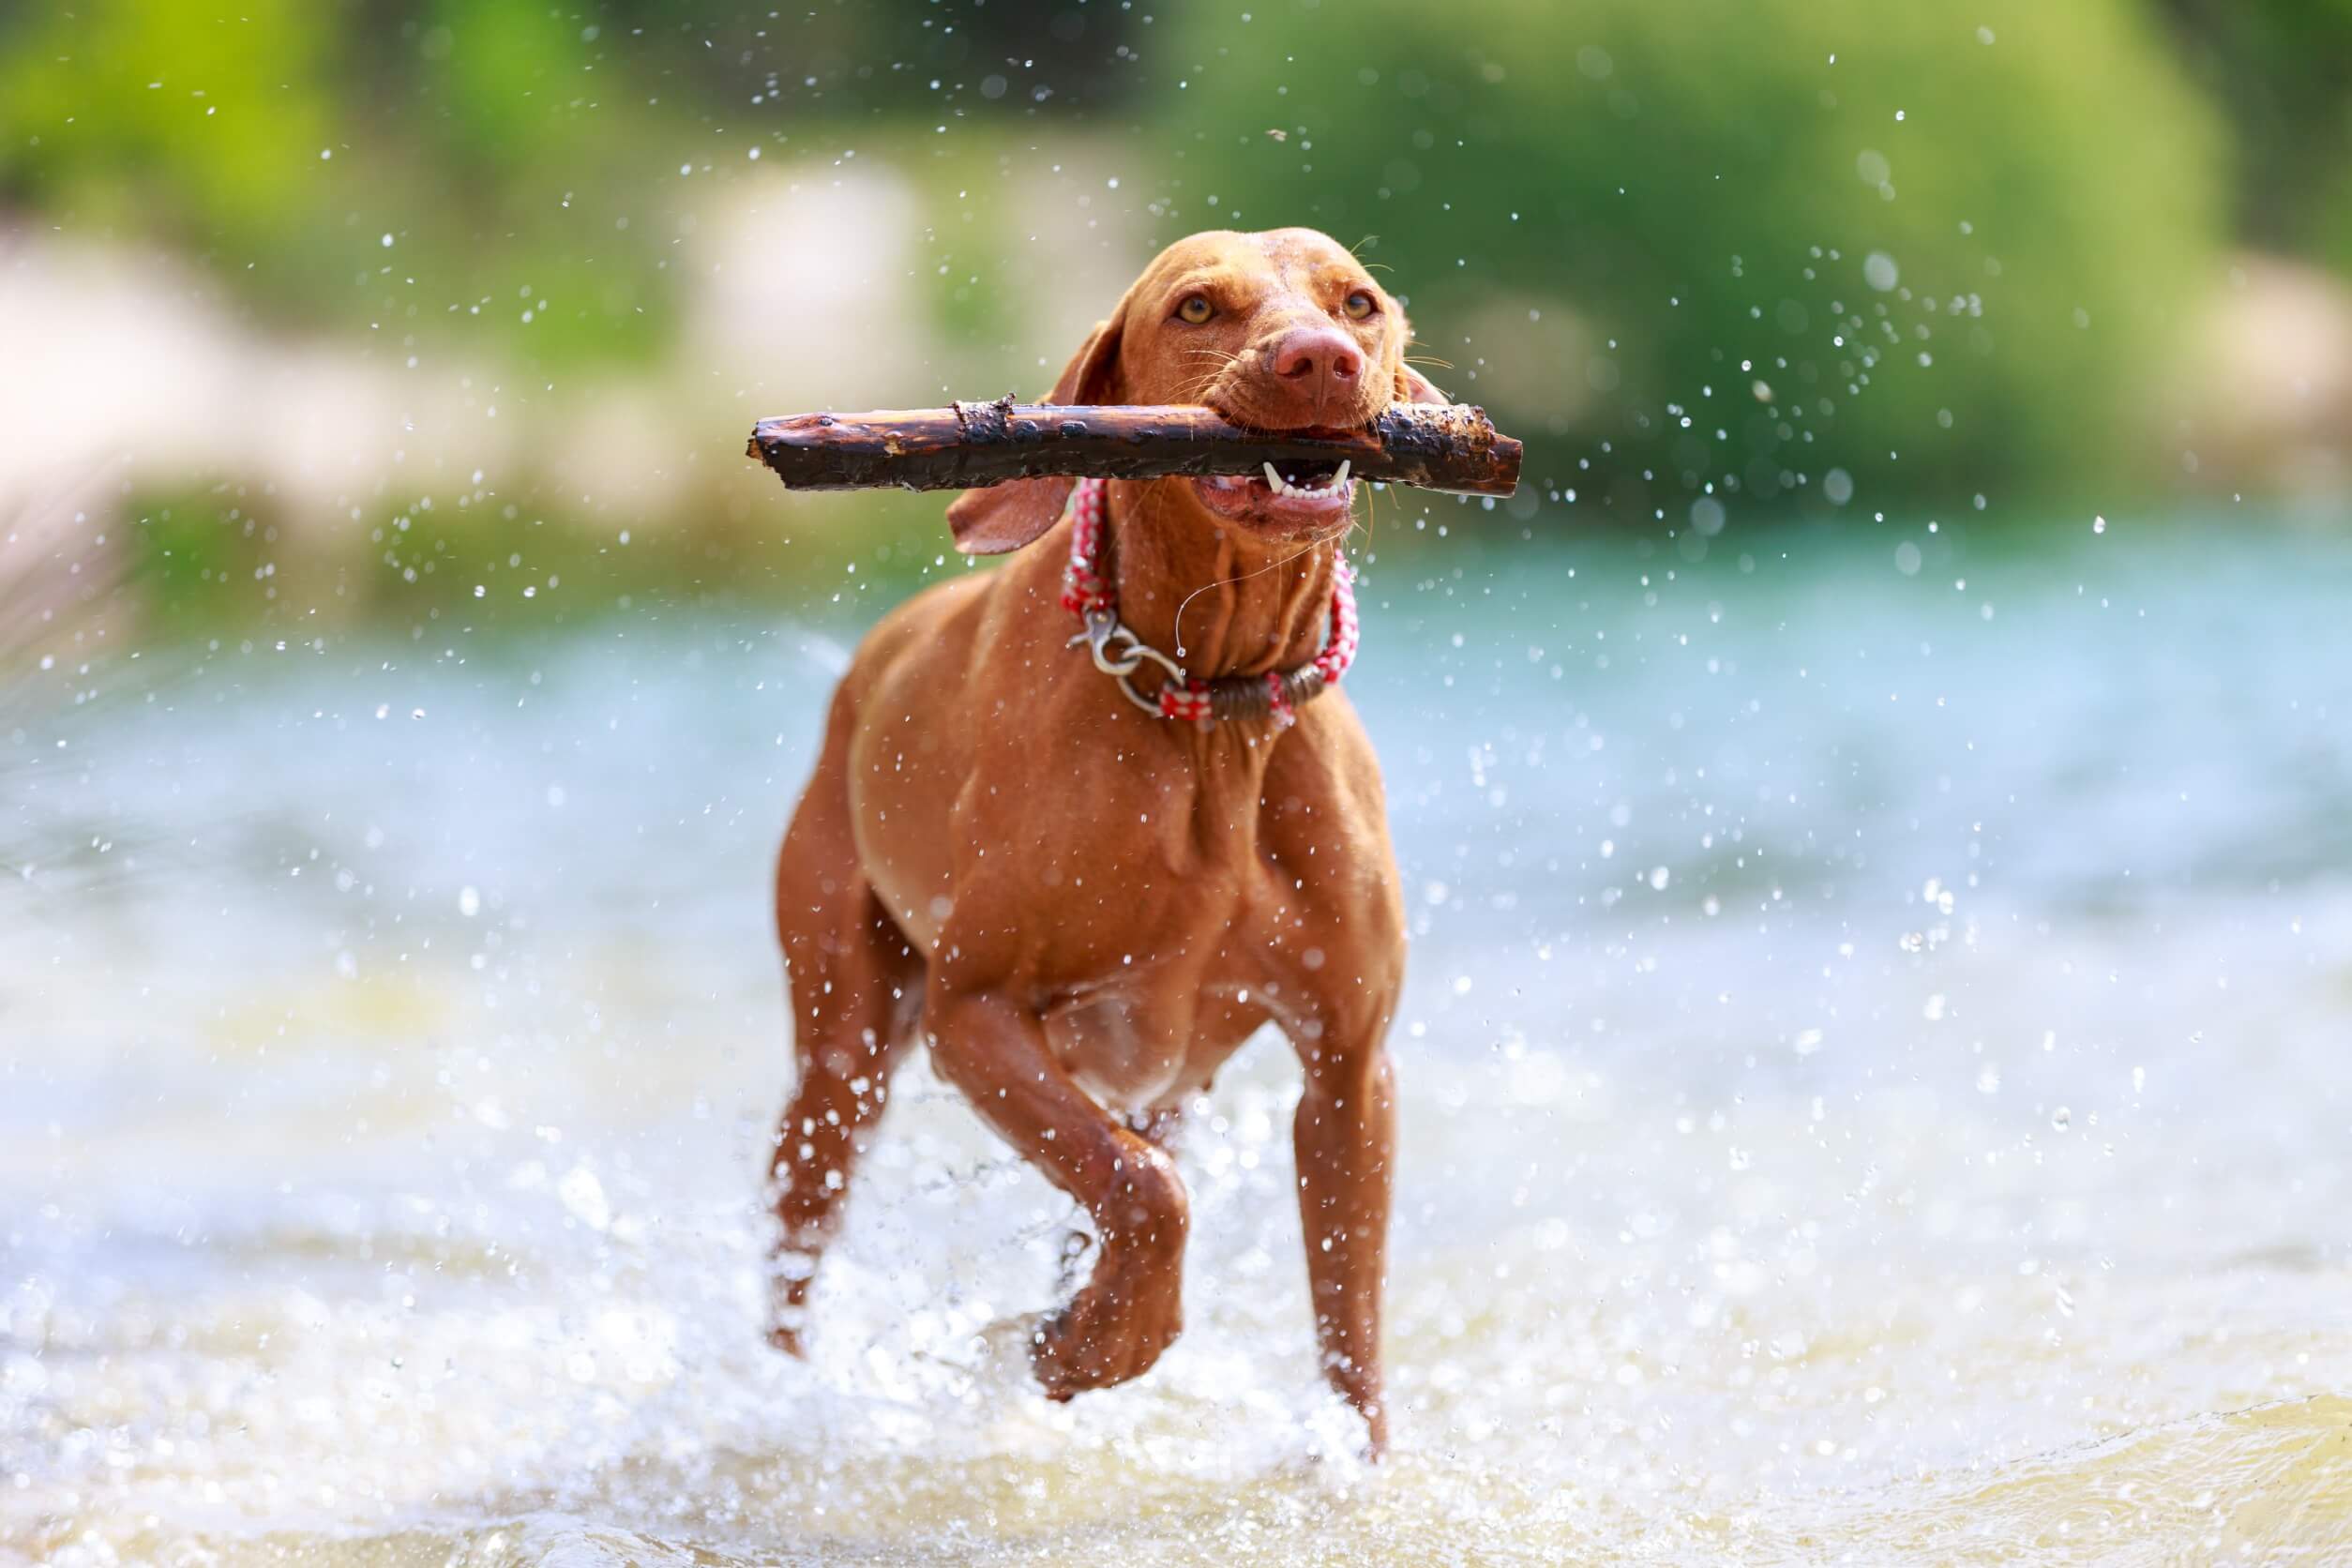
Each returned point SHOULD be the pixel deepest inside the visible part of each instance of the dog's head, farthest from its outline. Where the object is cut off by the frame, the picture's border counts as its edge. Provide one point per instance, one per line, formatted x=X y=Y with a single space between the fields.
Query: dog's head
x=1282 y=330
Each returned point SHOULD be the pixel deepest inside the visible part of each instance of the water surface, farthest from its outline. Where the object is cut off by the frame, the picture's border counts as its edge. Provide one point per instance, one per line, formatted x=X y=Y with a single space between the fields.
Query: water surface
x=1874 y=1070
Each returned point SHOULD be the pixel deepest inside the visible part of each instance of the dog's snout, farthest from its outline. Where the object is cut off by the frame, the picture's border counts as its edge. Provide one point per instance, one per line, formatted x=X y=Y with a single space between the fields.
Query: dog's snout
x=1319 y=361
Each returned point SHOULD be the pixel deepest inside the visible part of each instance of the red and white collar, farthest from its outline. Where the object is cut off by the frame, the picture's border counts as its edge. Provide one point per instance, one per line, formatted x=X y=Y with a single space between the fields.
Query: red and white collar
x=1087 y=592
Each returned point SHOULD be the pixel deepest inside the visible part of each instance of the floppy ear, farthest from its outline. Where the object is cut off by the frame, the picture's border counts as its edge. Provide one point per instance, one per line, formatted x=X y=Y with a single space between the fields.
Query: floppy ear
x=1008 y=516
x=1411 y=385
x=1415 y=387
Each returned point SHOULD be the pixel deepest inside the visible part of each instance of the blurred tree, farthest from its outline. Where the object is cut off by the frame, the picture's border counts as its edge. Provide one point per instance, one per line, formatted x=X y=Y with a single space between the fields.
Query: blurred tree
x=148 y=110
x=515 y=154
x=1737 y=245
x=1940 y=253
x=2281 y=72
x=283 y=142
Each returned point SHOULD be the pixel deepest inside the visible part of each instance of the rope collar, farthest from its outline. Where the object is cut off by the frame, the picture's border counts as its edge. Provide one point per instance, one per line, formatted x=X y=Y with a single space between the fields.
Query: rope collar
x=1087 y=592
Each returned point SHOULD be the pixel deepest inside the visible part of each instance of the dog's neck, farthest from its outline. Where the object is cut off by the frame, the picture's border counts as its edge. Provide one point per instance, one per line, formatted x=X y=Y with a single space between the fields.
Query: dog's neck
x=1213 y=596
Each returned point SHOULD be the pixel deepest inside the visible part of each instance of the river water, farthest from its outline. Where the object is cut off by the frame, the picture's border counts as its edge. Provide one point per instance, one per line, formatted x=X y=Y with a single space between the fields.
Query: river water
x=1876 y=1089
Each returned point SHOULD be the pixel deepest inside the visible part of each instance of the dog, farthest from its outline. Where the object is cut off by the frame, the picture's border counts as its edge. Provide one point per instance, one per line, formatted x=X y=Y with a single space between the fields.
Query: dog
x=1085 y=882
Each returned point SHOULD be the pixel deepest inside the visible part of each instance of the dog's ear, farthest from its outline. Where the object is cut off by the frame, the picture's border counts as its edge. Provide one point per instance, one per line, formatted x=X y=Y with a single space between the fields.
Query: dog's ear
x=1415 y=387
x=1411 y=385
x=1008 y=516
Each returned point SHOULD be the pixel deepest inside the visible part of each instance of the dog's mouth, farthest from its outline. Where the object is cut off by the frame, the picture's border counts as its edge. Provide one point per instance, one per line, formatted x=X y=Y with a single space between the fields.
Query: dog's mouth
x=1291 y=496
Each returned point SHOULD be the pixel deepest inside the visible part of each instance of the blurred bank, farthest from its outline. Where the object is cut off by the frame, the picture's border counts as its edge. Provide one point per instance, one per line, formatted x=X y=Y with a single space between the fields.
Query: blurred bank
x=328 y=311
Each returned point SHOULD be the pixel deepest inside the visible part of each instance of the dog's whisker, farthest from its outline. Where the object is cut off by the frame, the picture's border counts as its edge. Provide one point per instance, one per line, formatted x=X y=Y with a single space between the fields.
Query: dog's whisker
x=1191 y=391
x=1229 y=582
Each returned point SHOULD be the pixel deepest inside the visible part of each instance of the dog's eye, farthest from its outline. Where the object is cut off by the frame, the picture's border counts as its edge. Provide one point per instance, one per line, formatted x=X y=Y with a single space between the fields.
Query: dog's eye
x=1358 y=305
x=1196 y=309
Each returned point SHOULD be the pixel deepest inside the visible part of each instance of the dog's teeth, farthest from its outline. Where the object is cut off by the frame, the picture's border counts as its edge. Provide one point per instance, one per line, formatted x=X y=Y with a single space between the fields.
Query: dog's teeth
x=1336 y=484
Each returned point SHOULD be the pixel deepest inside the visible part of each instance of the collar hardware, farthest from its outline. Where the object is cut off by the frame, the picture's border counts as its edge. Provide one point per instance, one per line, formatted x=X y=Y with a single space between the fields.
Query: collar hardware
x=1119 y=652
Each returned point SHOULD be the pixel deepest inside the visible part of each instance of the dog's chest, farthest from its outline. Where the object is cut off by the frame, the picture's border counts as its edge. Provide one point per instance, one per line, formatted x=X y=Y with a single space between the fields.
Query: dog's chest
x=1138 y=1042
x=1162 y=980
x=1117 y=1045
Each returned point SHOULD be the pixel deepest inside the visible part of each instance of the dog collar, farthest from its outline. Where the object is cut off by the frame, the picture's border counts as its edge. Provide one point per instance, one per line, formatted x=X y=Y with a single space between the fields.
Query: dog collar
x=1087 y=592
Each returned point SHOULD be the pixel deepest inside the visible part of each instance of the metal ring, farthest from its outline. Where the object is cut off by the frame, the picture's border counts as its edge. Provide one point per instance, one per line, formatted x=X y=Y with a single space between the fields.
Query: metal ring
x=1175 y=670
x=1104 y=630
x=1126 y=684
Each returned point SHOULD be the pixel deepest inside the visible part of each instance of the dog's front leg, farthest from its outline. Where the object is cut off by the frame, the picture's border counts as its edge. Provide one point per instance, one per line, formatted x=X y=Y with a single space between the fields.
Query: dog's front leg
x=1345 y=1134
x=1131 y=1307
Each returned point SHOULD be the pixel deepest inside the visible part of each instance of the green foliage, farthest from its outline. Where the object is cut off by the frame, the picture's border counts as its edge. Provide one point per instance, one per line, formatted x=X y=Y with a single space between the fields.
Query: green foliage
x=228 y=556
x=203 y=554
x=281 y=141
x=1627 y=224
x=504 y=146
x=1616 y=216
x=176 y=116
x=2278 y=71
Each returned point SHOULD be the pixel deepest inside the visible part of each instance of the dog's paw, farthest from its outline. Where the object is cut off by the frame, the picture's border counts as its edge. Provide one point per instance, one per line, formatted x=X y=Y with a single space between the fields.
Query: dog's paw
x=1102 y=1338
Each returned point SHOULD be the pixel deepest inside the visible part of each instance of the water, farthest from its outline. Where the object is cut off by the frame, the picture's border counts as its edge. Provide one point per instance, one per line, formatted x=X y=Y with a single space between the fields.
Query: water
x=1873 y=1079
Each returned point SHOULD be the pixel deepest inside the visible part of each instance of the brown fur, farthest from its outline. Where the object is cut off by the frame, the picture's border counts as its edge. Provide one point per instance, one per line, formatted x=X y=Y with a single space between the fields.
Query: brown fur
x=1085 y=910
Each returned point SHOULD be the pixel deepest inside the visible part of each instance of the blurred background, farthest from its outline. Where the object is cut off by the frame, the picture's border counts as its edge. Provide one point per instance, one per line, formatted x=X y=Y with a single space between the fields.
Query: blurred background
x=353 y=290
x=1872 y=805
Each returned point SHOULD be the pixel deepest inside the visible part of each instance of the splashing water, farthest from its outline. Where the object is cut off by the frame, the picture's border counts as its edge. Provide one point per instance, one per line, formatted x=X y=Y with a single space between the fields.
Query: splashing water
x=1918 y=1133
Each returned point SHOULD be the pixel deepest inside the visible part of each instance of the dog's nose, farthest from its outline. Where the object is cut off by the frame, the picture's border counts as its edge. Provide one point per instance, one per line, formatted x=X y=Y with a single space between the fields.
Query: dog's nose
x=1318 y=361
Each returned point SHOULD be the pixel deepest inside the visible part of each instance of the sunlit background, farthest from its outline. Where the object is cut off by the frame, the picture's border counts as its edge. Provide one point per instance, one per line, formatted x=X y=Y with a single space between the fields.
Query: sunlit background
x=1873 y=805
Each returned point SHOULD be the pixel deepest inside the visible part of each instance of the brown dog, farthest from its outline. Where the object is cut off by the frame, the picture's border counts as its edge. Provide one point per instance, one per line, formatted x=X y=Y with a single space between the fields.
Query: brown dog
x=1086 y=909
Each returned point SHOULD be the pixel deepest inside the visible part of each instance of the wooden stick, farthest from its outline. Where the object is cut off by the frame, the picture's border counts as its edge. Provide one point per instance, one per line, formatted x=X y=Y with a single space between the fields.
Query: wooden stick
x=1450 y=448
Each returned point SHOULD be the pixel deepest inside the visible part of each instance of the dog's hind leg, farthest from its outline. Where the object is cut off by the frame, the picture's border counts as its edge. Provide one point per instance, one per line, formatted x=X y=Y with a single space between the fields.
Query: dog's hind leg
x=856 y=985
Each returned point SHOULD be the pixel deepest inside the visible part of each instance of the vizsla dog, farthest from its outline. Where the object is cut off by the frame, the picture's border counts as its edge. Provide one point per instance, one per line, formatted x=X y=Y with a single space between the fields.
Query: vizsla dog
x=1086 y=882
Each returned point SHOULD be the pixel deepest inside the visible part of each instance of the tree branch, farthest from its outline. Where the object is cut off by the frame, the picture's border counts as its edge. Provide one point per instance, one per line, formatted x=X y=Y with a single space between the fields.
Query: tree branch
x=1450 y=448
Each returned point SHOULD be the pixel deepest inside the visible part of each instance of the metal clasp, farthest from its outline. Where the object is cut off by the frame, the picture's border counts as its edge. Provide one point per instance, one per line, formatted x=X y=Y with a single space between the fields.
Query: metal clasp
x=1119 y=652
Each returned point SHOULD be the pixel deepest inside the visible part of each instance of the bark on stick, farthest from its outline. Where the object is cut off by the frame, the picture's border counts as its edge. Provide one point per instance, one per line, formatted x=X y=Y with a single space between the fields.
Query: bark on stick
x=1449 y=447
